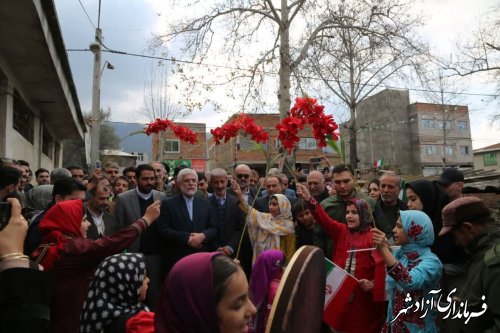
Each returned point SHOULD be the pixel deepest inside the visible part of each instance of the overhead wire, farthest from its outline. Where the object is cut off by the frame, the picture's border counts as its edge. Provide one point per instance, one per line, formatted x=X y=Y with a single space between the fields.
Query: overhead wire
x=87 y=14
x=174 y=60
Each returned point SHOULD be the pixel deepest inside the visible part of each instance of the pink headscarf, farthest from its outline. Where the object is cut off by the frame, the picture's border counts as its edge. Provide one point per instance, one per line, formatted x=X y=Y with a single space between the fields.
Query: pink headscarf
x=187 y=300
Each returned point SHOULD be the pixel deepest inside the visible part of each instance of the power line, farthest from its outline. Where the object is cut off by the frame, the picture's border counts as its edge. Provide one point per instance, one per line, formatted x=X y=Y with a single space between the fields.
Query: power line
x=174 y=60
x=87 y=14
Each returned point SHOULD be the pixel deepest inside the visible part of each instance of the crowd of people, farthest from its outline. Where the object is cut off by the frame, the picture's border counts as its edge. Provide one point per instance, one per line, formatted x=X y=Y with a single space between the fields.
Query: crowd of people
x=135 y=250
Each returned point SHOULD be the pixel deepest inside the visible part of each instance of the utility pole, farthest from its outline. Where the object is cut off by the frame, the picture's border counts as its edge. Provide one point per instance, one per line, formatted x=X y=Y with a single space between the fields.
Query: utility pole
x=95 y=130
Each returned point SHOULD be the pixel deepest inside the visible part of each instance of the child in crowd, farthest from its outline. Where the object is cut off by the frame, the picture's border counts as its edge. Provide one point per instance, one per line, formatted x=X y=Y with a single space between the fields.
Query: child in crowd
x=273 y=230
x=114 y=302
x=264 y=282
x=304 y=224
x=412 y=272
x=353 y=252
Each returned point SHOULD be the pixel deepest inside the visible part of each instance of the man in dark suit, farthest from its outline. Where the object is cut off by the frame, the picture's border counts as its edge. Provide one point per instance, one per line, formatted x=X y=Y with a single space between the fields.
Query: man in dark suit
x=101 y=222
x=274 y=185
x=186 y=222
x=229 y=218
x=131 y=206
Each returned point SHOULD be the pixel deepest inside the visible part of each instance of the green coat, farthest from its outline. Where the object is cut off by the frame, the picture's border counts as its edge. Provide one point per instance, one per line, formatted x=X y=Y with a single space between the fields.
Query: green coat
x=483 y=278
x=335 y=208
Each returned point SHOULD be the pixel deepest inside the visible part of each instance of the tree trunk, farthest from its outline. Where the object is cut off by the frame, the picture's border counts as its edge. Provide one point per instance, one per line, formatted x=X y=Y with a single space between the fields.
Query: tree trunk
x=353 y=150
x=161 y=143
x=285 y=69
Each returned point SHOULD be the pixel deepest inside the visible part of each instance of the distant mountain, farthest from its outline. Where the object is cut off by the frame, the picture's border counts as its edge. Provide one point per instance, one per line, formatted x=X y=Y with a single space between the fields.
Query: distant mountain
x=135 y=143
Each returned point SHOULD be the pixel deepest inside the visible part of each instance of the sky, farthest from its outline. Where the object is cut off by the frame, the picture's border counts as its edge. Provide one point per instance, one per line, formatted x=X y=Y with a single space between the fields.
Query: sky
x=130 y=25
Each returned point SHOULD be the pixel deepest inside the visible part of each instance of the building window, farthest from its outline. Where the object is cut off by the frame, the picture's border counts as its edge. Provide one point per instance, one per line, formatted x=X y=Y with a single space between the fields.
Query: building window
x=140 y=157
x=462 y=125
x=307 y=143
x=24 y=120
x=448 y=150
x=446 y=124
x=464 y=150
x=47 y=143
x=430 y=149
x=171 y=146
x=428 y=123
x=490 y=159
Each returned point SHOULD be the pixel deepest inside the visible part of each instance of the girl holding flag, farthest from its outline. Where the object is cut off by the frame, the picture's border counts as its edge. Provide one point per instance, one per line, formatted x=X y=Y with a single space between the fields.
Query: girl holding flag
x=350 y=240
x=412 y=272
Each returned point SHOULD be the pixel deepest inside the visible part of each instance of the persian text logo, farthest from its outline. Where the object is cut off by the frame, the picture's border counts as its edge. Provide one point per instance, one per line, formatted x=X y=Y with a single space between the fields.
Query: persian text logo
x=452 y=306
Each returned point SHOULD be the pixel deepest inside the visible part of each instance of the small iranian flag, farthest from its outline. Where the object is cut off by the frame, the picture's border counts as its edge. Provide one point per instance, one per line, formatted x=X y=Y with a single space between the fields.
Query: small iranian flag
x=339 y=288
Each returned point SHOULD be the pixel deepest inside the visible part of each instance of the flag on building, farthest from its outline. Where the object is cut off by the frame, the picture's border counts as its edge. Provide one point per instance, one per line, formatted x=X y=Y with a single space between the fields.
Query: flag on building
x=339 y=288
x=378 y=163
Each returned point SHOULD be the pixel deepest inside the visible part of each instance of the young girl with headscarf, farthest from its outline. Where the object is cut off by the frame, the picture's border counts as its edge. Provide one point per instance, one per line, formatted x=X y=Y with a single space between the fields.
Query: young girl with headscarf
x=264 y=282
x=204 y=293
x=273 y=230
x=114 y=302
x=72 y=259
x=412 y=272
x=352 y=252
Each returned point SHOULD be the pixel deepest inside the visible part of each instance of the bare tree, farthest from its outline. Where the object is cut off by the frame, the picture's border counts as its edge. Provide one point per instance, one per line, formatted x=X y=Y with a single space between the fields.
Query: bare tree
x=158 y=100
x=284 y=30
x=373 y=42
x=480 y=53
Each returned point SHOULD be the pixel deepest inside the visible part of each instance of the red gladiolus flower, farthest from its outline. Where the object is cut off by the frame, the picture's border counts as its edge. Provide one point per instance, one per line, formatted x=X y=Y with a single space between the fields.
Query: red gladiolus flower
x=241 y=122
x=160 y=125
x=308 y=112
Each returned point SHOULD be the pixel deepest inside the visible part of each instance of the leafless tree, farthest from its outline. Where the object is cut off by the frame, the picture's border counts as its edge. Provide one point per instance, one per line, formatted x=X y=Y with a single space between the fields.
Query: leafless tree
x=373 y=42
x=479 y=53
x=158 y=99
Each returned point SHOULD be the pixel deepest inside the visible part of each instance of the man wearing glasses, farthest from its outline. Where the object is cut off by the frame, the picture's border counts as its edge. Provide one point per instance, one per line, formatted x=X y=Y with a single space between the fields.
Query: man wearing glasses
x=242 y=176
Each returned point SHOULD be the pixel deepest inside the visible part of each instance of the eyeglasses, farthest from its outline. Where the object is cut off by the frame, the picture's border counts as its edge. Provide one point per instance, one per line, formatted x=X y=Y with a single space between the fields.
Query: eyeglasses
x=240 y=175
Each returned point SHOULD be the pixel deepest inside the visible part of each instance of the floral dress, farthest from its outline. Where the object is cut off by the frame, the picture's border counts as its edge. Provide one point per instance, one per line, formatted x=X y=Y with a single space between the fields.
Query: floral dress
x=417 y=272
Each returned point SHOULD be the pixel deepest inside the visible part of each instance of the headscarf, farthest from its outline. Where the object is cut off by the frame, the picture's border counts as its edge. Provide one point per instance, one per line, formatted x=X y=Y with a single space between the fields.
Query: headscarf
x=273 y=232
x=285 y=207
x=61 y=223
x=187 y=300
x=418 y=227
x=365 y=216
x=265 y=269
x=114 y=291
x=433 y=199
x=37 y=199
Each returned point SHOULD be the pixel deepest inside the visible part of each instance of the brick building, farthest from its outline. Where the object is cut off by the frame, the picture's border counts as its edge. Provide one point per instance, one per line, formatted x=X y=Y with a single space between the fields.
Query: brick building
x=177 y=152
x=420 y=138
x=242 y=149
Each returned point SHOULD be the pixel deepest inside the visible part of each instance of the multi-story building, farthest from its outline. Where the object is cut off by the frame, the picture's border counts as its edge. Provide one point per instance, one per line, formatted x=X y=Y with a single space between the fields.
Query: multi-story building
x=420 y=138
x=177 y=152
x=242 y=149
x=38 y=101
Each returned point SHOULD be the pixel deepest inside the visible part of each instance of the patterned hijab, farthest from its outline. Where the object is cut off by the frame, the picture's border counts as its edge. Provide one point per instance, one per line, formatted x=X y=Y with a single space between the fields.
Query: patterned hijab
x=418 y=227
x=285 y=207
x=114 y=291
x=61 y=223
x=187 y=300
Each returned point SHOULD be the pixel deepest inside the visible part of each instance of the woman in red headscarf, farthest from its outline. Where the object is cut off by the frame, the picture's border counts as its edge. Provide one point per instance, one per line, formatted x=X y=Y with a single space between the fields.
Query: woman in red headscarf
x=365 y=311
x=72 y=259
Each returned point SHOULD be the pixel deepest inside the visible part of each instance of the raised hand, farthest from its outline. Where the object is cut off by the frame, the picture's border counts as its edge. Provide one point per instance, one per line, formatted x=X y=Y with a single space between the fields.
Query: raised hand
x=379 y=239
x=152 y=212
x=303 y=192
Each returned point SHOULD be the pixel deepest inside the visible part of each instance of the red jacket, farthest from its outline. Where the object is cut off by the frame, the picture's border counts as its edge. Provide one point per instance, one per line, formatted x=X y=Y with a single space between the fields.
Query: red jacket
x=366 y=310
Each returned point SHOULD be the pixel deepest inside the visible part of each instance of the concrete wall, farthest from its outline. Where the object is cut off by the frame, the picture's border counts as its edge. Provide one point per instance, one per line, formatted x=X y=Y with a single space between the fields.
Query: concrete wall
x=479 y=161
x=454 y=137
x=384 y=129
